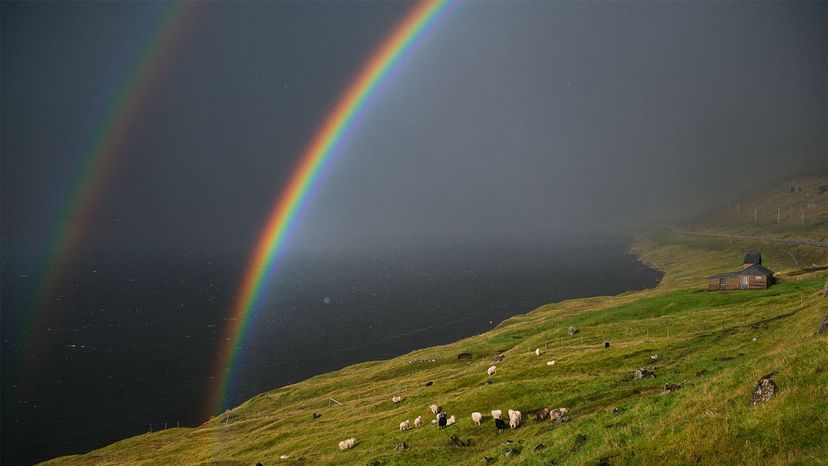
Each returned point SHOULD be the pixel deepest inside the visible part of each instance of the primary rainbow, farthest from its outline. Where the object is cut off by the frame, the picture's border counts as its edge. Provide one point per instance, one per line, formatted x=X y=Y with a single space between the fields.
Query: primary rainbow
x=312 y=160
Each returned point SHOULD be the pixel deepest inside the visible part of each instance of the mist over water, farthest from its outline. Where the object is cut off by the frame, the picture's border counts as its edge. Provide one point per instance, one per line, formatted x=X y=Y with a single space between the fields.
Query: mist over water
x=137 y=344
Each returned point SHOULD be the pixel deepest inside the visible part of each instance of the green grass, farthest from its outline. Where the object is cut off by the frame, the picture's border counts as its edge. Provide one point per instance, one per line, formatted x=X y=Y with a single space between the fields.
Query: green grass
x=706 y=341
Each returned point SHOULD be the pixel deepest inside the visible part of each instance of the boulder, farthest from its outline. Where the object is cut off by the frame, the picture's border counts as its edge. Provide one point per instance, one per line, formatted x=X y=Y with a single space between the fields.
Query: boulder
x=572 y=331
x=642 y=373
x=823 y=326
x=401 y=446
x=464 y=356
x=455 y=440
x=539 y=447
x=765 y=389
x=498 y=358
x=671 y=387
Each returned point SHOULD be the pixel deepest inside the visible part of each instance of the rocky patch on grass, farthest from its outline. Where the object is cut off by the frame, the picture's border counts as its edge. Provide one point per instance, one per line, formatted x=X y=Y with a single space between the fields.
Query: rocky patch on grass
x=765 y=389
x=572 y=331
x=401 y=446
x=464 y=356
x=671 y=387
x=498 y=358
x=823 y=326
x=642 y=373
x=457 y=442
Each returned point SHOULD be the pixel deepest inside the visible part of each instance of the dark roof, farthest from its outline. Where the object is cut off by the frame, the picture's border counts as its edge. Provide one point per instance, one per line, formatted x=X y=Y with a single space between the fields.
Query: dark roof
x=756 y=269
x=752 y=258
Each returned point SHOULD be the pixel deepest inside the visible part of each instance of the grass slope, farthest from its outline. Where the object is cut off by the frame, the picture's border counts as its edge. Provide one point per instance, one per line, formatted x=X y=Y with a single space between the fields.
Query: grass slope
x=706 y=341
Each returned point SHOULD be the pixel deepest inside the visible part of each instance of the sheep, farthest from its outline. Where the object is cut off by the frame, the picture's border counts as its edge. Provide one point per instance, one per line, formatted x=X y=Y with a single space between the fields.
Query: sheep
x=491 y=371
x=284 y=457
x=550 y=363
x=514 y=419
x=476 y=417
x=542 y=414
x=435 y=409
x=405 y=425
x=451 y=420
x=500 y=425
x=496 y=413
x=418 y=422
x=397 y=399
x=347 y=444
x=441 y=420
x=537 y=352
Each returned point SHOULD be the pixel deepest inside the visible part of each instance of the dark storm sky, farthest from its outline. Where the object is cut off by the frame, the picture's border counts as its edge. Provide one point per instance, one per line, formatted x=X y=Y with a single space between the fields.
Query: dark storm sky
x=510 y=121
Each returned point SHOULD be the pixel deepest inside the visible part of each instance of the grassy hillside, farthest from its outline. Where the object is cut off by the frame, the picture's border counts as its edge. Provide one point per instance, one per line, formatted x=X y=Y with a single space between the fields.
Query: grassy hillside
x=717 y=345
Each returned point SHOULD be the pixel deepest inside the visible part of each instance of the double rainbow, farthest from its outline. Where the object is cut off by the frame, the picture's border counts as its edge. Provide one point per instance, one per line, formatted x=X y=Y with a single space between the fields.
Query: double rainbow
x=324 y=142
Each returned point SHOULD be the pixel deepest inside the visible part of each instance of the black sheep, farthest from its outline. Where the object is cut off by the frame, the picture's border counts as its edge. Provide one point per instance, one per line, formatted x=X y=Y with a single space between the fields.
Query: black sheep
x=606 y=344
x=441 y=420
x=500 y=424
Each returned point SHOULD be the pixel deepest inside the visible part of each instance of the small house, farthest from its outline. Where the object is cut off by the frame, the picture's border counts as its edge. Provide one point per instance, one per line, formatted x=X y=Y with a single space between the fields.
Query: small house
x=753 y=276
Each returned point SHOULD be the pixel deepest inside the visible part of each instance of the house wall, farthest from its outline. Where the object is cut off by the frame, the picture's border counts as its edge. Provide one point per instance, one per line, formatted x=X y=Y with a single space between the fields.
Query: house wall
x=755 y=282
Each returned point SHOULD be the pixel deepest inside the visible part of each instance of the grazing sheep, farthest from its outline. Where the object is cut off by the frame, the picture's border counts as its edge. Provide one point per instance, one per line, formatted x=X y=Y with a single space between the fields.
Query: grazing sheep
x=514 y=419
x=347 y=444
x=441 y=420
x=542 y=414
x=537 y=352
x=435 y=409
x=284 y=457
x=551 y=363
x=491 y=370
x=497 y=413
x=500 y=424
x=476 y=417
x=397 y=399
x=451 y=420
x=558 y=413
x=405 y=425
x=418 y=422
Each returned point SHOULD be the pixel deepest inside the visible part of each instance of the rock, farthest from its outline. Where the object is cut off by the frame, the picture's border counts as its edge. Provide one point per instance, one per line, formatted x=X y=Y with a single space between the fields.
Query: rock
x=655 y=357
x=539 y=447
x=316 y=415
x=498 y=358
x=551 y=363
x=557 y=415
x=489 y=382
x=823 y=326
x=616 y=410
x=401 y=446
x=487 y=460
x=455 y=440
x=642 y=373
x=464 y=356
x=671 y=387
x=701 y=373
x=572 y=331
x=511 y=452
x=765 y=389
x=374 y=463
x=429 y=383
x=603 y=462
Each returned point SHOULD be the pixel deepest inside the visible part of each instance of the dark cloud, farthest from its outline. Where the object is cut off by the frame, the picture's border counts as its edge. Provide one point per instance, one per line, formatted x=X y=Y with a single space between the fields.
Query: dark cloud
x=509 y=121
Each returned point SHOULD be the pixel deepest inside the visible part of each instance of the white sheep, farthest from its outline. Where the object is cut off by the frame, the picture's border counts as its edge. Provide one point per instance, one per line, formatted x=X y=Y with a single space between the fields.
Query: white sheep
x=435 y=409
x=537 y=352
x=497 y=413
x=476 y=417
x=347 y=444
x=451 y=420
x=405 y=425
x=284 y=457
x=418 y=421
x=514 y=419
x=397 y=399
x=550 y=363
x=491 y=370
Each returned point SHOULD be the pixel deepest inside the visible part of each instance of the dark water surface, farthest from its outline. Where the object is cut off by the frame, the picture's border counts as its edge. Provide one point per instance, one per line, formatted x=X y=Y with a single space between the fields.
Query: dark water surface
x=132 y=334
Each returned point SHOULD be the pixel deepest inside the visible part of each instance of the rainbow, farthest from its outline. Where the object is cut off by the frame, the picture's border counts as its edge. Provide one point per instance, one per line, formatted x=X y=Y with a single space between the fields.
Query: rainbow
x=130 y=91
x=324 y=142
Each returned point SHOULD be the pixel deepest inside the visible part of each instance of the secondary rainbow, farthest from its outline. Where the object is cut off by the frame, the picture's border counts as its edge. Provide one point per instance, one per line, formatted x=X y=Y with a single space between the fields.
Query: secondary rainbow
x=324 y=142
x=130 y=90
